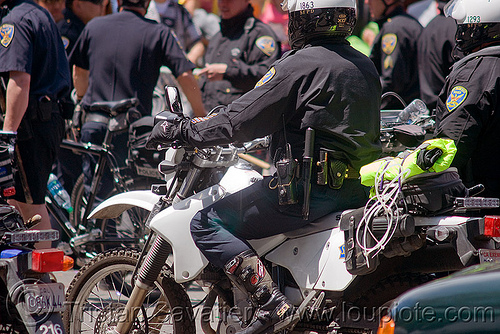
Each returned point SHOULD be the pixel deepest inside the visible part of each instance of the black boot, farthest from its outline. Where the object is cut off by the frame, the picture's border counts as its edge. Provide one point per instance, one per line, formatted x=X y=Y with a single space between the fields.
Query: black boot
x=249 y=274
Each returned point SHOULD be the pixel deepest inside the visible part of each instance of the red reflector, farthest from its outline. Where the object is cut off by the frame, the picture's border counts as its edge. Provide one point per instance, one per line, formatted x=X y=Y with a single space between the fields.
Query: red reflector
x=8 y=192
x=492 y=226
x=47 y=260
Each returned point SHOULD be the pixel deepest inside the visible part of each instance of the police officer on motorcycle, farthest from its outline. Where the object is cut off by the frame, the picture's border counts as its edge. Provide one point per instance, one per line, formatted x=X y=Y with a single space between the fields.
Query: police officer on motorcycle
x=322 y=83
x=467 y=108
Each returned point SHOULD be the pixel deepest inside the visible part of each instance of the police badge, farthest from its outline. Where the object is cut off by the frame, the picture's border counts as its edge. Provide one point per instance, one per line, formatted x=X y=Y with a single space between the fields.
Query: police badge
x=457 y=97
x=6 y=34
x=389 y=42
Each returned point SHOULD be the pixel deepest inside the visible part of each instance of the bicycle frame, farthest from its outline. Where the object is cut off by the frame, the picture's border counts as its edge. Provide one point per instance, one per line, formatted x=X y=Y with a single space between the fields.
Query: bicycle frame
x=105 y=158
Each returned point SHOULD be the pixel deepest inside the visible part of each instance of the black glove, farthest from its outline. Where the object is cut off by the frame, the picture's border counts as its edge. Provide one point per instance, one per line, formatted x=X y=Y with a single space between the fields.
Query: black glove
x=164 y=133
x=427 y=158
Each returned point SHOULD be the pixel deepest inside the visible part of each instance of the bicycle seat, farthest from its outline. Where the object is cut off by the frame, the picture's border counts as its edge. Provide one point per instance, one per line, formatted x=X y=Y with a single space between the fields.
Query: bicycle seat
x=114 y=108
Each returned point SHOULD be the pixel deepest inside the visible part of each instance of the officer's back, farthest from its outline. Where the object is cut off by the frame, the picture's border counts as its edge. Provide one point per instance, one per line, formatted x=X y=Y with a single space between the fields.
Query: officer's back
x=125 y=51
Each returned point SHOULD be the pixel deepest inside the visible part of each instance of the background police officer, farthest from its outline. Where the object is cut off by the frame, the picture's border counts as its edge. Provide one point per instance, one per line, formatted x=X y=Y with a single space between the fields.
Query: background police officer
x=238 y=55
x=339 y=98
x=394 y=51
x=35 y=67
x=176 y=17
x=436 y=55
x=118 y=56
x=467 y=109
x=76 y=15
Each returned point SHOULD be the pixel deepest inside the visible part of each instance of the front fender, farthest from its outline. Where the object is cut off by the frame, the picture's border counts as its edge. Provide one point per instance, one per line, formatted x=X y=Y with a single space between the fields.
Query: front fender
x=116 y=205
x=173 y=225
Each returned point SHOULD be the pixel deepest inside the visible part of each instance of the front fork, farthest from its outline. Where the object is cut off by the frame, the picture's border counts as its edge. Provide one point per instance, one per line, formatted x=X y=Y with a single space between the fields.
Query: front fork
x=148 y=273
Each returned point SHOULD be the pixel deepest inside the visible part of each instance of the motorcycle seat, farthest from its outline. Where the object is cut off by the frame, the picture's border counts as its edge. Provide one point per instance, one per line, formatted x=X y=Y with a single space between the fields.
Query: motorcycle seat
x=324 y=223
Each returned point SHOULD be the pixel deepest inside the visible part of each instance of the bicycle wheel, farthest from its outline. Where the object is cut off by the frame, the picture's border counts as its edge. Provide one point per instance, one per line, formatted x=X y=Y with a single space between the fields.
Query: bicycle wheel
x=127 y=230
x=101 y=289
x=78 y=201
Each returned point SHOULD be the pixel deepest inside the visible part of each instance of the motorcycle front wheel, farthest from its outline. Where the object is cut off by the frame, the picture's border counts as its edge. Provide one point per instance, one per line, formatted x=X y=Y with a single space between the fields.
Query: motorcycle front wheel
x=101 y=289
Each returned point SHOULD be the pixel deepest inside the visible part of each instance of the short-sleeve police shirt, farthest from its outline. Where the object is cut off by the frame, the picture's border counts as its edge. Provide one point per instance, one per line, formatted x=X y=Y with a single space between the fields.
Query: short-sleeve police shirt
x=123 y=53
x=27 y=45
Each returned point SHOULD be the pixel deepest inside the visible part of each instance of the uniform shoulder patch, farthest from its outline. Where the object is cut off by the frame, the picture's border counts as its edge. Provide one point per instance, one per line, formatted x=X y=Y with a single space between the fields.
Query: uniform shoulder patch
x=6 y=34
x=457 y=96
x=65 y=41
x=389 y=42
x=266 y=44
x=267 y=77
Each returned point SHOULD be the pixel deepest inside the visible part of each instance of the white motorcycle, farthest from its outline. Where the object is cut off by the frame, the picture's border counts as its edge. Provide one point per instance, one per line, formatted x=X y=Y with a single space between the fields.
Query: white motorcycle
x=327 y=269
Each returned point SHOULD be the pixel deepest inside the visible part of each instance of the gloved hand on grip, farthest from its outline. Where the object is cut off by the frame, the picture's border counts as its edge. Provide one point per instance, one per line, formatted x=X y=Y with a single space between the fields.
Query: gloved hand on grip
x=164 y=133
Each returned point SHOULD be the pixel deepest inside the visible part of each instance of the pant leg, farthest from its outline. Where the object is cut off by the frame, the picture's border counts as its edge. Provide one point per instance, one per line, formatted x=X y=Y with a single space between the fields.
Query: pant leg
x=221 y=230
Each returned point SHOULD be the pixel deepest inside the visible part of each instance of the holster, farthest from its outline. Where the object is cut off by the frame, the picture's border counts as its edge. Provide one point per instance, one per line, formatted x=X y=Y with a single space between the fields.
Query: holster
x=39 y=110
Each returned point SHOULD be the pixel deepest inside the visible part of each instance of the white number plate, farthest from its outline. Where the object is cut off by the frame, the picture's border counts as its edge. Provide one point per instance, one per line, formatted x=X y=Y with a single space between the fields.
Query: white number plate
x=489 y=255
x=43 y=298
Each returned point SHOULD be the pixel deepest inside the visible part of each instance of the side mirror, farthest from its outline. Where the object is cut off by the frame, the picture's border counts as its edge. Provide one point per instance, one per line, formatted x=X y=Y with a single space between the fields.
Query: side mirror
x=173 y=99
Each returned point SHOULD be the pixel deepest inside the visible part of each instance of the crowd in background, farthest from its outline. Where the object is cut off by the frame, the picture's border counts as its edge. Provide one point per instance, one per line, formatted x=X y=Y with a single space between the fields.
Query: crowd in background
x=201 y=29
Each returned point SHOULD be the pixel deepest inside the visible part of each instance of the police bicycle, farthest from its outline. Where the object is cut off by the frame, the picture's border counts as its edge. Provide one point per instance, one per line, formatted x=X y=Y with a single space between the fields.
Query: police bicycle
x=83 y=238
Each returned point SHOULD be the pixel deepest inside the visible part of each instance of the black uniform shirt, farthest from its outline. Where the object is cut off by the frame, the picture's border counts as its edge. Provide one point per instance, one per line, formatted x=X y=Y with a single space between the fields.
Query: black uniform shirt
x=123 y=53
x=394 y=53
x=248 y=46
x=70 y=28
x=177 y=18
x=339 y=98
x=30 y=43
x=435 y=57
x=468 y=112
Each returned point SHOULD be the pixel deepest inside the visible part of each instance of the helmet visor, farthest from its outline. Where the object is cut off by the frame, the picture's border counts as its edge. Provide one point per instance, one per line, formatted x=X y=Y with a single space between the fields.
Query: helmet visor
x=455 y=9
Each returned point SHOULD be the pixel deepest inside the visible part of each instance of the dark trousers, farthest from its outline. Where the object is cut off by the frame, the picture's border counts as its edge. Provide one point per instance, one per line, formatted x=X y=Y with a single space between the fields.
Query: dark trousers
x=221 y=230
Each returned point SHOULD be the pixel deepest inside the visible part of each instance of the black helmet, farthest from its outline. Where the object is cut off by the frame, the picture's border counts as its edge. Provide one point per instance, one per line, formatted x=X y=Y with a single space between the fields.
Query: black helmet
x=319 y=19
x=478 y=22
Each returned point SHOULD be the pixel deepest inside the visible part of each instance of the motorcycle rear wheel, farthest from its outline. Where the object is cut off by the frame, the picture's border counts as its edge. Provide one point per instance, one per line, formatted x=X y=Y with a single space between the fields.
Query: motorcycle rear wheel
x=102 y=288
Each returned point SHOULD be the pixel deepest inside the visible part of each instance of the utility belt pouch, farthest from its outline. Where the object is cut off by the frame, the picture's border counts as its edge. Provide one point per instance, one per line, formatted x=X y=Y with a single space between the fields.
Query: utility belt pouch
x=337 y=172
x=322 y=164
x=286 y=181
x=331 y=172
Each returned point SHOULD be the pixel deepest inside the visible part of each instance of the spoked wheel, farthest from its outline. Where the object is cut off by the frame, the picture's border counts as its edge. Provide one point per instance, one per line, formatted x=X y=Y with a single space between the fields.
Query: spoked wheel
x=127 y=230
x=101 y=289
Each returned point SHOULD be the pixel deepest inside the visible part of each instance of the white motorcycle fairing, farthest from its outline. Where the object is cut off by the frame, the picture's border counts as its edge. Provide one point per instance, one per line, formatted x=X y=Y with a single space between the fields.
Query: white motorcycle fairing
x=316 y=261
x=117 y=204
